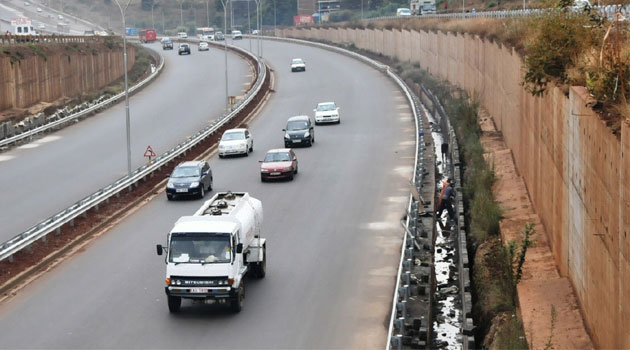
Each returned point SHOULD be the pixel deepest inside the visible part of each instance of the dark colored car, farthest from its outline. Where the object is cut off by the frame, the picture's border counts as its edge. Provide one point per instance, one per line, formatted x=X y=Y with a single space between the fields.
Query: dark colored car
x=191 y=178
x=167 y=45
x=279 y=163
x=184 y=49
x=299 y=131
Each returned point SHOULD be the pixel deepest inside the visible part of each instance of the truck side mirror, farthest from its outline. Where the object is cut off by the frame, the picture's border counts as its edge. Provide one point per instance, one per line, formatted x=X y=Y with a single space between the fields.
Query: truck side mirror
x=239 y=248
x=160 y=250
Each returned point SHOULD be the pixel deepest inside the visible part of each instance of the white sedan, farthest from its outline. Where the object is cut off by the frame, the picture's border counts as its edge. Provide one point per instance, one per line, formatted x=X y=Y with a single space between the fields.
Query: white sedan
x=236 y=141
x=327 y=112
x=297 y=64
x=203 y=46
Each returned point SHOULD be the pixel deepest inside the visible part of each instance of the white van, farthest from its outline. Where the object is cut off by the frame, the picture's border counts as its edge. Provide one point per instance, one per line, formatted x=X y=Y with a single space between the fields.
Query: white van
x=402 y=12
x=182 y=35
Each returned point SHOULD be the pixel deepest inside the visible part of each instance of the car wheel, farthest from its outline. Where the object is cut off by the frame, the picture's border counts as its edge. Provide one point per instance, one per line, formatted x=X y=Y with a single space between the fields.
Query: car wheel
x=247 y=153
x=174 y=303
x=313 y=139
x=296 y=169
x=221 y=156
x=251 y=149
x=202 y=192
x=169 y=196
x=210 y=186
x=339 y=121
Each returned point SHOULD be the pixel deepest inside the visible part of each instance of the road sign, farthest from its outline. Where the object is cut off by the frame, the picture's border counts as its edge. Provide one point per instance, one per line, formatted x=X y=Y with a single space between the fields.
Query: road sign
x=149 y=152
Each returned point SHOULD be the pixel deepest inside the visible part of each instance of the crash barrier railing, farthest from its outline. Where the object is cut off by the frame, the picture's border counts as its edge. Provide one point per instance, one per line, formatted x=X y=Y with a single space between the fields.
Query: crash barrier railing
x=28 y=39
x=463 y=263
x=607 y=11
x=403 y=327
x=57 y=122
x=24 y=239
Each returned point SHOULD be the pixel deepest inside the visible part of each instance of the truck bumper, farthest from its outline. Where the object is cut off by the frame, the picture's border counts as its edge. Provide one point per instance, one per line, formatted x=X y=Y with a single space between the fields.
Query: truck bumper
x=200 y=293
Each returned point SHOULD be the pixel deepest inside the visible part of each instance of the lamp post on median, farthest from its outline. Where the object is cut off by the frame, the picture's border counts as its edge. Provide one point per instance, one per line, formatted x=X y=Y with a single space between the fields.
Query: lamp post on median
x=123 y=10
x=225 y=3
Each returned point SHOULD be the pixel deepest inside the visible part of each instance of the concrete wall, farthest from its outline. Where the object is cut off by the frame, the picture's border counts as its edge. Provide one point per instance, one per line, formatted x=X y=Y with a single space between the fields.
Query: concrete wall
x=33 y=79
x=576 y=171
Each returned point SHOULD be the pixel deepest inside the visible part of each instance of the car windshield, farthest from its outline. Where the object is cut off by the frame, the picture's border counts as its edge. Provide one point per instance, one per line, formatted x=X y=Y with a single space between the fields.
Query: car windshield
x=228 y=136
x=183 y=45
x=200 y=248
x=277 y=157
x=297 y=125
x=297 y=61
x=185 y=171
x=326 y=107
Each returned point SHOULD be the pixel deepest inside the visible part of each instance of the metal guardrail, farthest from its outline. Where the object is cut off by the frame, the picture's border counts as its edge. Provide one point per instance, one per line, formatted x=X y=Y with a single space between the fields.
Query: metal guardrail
x=29 y=133
x=38 y=39
x=24 y=239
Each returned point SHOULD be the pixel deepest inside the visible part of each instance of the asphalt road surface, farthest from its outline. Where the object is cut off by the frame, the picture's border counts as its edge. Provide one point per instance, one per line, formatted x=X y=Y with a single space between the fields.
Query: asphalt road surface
x=43 y=177
x=333 y=233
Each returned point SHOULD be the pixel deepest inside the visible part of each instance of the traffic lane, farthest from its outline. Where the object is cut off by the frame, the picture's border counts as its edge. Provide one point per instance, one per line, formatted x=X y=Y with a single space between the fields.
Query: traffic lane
x=45 y=176
x=46 y=16
x=333 y=238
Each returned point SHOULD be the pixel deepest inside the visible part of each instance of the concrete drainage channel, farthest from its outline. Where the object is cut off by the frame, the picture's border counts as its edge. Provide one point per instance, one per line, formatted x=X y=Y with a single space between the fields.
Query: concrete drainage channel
x=431 y=307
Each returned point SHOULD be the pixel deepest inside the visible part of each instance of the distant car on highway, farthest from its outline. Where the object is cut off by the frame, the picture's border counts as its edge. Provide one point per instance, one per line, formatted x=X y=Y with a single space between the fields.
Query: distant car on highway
x=237 y=35
x=403 y=12
x=297 y=65
x=299 y=131
x=255 y=31
x=327 y=112
x=39 y=9
x=59 y=17
x=167 y=44
x=203 y=46
x=26 y=3
x=192 y=178
x=183 y=49
x=218 y=36
x=41 y=26
x=182 y=35
x=236 y=141
x=279 y=163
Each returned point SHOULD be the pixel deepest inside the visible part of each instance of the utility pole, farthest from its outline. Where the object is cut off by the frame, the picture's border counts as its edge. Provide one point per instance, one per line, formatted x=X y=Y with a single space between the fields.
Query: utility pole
x=225 y=3
x=152 y=19
x=208 y=11
x=123 y=11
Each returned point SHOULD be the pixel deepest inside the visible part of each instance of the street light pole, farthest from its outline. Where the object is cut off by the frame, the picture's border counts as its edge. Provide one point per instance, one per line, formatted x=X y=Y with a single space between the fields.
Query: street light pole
x=249 y=27
x=225 y=3
x=208 y=11
x=127 y=119
x=152 y=18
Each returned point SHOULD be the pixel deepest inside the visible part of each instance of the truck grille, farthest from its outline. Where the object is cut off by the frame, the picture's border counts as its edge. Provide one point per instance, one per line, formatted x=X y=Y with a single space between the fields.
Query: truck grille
x=199 y=281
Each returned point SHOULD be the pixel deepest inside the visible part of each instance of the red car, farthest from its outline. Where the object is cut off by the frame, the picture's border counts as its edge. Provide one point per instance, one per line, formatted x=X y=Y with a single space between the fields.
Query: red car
x=279 y=164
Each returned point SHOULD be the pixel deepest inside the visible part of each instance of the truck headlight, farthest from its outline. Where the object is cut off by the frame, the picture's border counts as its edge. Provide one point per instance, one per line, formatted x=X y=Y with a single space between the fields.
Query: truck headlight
x=194 y=184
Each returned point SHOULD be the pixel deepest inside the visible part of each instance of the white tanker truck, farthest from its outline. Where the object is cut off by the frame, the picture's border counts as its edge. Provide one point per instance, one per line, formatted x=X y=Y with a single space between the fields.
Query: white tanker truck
x=209 y=253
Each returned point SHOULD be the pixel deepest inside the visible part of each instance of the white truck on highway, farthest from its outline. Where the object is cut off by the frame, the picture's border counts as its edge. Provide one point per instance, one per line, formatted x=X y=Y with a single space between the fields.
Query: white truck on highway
x=209 y=254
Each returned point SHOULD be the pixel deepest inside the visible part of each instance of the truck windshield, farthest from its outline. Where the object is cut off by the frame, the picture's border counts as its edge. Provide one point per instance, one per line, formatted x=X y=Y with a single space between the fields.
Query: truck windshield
x=196 y=248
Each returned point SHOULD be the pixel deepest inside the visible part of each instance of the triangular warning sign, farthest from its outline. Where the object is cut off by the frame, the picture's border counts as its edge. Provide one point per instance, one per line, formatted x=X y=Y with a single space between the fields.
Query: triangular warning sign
x=149 y=152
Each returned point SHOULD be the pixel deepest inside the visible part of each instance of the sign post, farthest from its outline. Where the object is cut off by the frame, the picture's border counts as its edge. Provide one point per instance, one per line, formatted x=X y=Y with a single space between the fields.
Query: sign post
x=149 y=154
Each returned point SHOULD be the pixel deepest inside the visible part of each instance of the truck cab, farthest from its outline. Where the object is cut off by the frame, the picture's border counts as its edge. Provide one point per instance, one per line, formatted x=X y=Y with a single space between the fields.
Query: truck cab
x=209 y=254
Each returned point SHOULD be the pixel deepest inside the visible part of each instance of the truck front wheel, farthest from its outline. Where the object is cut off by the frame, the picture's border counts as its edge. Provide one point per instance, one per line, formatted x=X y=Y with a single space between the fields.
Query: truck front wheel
x=237 y=301
x=174 y=303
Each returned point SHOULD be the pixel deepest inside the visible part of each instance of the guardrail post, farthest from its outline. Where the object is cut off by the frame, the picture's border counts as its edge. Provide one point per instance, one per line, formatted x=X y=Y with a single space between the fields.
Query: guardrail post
x=10 y=259
x=72 y=223
x=58 y=231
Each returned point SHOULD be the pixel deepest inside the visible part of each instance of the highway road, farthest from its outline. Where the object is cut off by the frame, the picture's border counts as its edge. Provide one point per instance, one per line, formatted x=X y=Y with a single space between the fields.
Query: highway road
x=45 y=176
x=333 y=233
